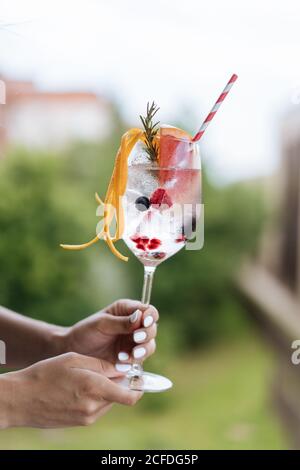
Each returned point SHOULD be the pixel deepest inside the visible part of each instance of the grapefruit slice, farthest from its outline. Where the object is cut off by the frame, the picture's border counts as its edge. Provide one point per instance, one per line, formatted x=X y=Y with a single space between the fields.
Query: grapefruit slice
x=174 y=150
x=174 y=147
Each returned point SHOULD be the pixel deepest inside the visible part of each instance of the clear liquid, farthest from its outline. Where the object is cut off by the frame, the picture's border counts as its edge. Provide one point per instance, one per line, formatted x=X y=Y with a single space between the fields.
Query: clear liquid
x=158 y=232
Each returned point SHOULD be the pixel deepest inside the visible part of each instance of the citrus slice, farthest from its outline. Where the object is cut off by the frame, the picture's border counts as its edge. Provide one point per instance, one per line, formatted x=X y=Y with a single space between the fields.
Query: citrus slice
x=173 y=146
x=174 y=151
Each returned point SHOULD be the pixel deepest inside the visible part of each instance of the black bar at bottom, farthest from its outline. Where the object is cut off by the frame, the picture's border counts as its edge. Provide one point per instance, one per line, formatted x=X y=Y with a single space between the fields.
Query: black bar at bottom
x=134 y=459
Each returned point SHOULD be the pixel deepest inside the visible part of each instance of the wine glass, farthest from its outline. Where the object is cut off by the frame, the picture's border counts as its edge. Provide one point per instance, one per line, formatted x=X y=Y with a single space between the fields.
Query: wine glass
x=160 y=216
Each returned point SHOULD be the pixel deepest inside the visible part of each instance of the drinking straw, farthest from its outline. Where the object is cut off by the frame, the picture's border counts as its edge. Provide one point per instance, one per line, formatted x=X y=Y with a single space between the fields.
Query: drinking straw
x=215 y=108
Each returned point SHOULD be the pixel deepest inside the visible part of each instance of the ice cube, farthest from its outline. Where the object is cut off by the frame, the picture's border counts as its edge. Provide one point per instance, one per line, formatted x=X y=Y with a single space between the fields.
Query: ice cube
x=142 y=180
x=138 y=155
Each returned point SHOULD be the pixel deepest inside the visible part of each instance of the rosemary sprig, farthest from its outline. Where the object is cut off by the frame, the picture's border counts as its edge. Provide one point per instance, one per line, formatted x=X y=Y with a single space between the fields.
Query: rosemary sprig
x=150 y=131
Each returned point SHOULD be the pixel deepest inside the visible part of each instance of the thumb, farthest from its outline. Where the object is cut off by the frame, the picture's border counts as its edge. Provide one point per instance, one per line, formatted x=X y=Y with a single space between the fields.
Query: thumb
x=120 y=325
x=100 y=366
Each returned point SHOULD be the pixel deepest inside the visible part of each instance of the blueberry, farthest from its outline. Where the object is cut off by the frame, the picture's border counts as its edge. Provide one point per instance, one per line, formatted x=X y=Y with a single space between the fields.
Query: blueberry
x=142 y=203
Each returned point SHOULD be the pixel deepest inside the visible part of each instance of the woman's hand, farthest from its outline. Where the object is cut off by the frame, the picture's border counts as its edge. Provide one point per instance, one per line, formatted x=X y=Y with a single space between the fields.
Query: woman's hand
x=67 y=390
x=121 y=333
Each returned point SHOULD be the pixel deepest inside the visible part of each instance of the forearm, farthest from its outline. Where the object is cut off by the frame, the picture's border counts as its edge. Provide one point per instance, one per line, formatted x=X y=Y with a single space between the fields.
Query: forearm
x=8 y=401
x=28 y=341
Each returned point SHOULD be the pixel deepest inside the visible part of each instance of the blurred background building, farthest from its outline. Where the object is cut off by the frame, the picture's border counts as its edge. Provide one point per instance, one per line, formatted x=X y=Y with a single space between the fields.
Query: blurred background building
x=32 y=118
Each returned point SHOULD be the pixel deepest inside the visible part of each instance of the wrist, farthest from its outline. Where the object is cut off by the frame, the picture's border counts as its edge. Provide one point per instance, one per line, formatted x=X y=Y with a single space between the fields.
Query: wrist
x=8 y=400
x=58 y=341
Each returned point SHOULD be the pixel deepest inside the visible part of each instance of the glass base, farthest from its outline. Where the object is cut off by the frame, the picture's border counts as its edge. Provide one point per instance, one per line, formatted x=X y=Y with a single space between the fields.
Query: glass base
x=146 y=382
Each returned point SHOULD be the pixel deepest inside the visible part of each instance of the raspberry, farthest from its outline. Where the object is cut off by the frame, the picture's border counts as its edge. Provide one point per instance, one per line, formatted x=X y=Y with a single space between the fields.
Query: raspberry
x=135 y=238
x=140 y=246
x=156 y=241
x=160 y=197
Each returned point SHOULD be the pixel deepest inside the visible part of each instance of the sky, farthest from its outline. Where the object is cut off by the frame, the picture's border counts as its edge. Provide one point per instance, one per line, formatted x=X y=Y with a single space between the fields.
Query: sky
x=179 y=54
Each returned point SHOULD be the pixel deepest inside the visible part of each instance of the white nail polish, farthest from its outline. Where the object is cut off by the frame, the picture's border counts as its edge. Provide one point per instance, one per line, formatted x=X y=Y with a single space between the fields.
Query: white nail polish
x=139 y=352
x=148 y=321
x=139 y=336
x=123 y=367
x=123 y=356
x=134 y=316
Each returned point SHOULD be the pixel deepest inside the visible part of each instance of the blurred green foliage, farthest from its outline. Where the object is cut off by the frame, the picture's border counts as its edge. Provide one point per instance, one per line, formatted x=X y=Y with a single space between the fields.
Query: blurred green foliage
x=48 y=198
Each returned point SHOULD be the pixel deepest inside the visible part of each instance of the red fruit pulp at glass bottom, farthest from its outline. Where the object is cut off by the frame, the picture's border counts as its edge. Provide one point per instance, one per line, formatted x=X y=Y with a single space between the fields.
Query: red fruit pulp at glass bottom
x=142 y=243
x=156 y=241
x=136 y=238
x=140 y=246
x=159 y=255
x=152 y=246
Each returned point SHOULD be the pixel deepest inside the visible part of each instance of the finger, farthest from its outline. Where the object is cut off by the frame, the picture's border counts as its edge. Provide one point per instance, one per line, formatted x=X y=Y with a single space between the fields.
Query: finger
x=78 y=361
x=141 y=352
x=119 y=325
x=150 y=316
x=125 y=307
x=116 y=393
x=90 y=415
x=140 y=336
x=144 y=335
x=103 y=410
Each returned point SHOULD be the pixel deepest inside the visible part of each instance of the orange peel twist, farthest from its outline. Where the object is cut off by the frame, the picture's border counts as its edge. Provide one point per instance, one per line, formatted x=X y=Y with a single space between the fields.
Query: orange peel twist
x=113 y=210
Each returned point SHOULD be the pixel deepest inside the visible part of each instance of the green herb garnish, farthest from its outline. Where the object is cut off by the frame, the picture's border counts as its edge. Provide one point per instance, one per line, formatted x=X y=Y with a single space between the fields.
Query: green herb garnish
x=150 y=131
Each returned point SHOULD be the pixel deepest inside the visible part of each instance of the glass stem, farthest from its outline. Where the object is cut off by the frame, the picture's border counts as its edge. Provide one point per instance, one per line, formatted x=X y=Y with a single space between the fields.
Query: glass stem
x=136 y=368
x=147 y=286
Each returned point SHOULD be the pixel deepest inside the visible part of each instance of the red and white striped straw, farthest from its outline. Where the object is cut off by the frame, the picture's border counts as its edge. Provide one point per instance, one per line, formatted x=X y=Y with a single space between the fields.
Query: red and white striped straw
x=215 y=108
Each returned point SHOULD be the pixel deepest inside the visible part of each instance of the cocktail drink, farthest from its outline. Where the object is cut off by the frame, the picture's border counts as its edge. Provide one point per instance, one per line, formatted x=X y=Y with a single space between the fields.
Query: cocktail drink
x=153 y=203
x=161 y=210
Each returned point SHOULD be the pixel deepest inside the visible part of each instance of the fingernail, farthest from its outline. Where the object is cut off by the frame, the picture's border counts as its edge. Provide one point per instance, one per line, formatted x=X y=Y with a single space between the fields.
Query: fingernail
x=139 y=352
x=134 y=316
x=148 y=321
x=139 y=336
x=123 y=367
x=123 y=356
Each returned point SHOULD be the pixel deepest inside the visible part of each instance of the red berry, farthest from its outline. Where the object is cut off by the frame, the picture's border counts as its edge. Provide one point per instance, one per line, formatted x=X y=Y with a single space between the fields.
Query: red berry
x=140 y=246
x=144 y=240
x=160 y=197
x=180 y=239
x=135 y=238
x=156 y=241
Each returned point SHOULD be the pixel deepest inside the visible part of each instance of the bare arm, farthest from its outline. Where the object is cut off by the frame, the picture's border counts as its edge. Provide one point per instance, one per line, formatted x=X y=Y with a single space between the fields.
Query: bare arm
x=28 y=341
